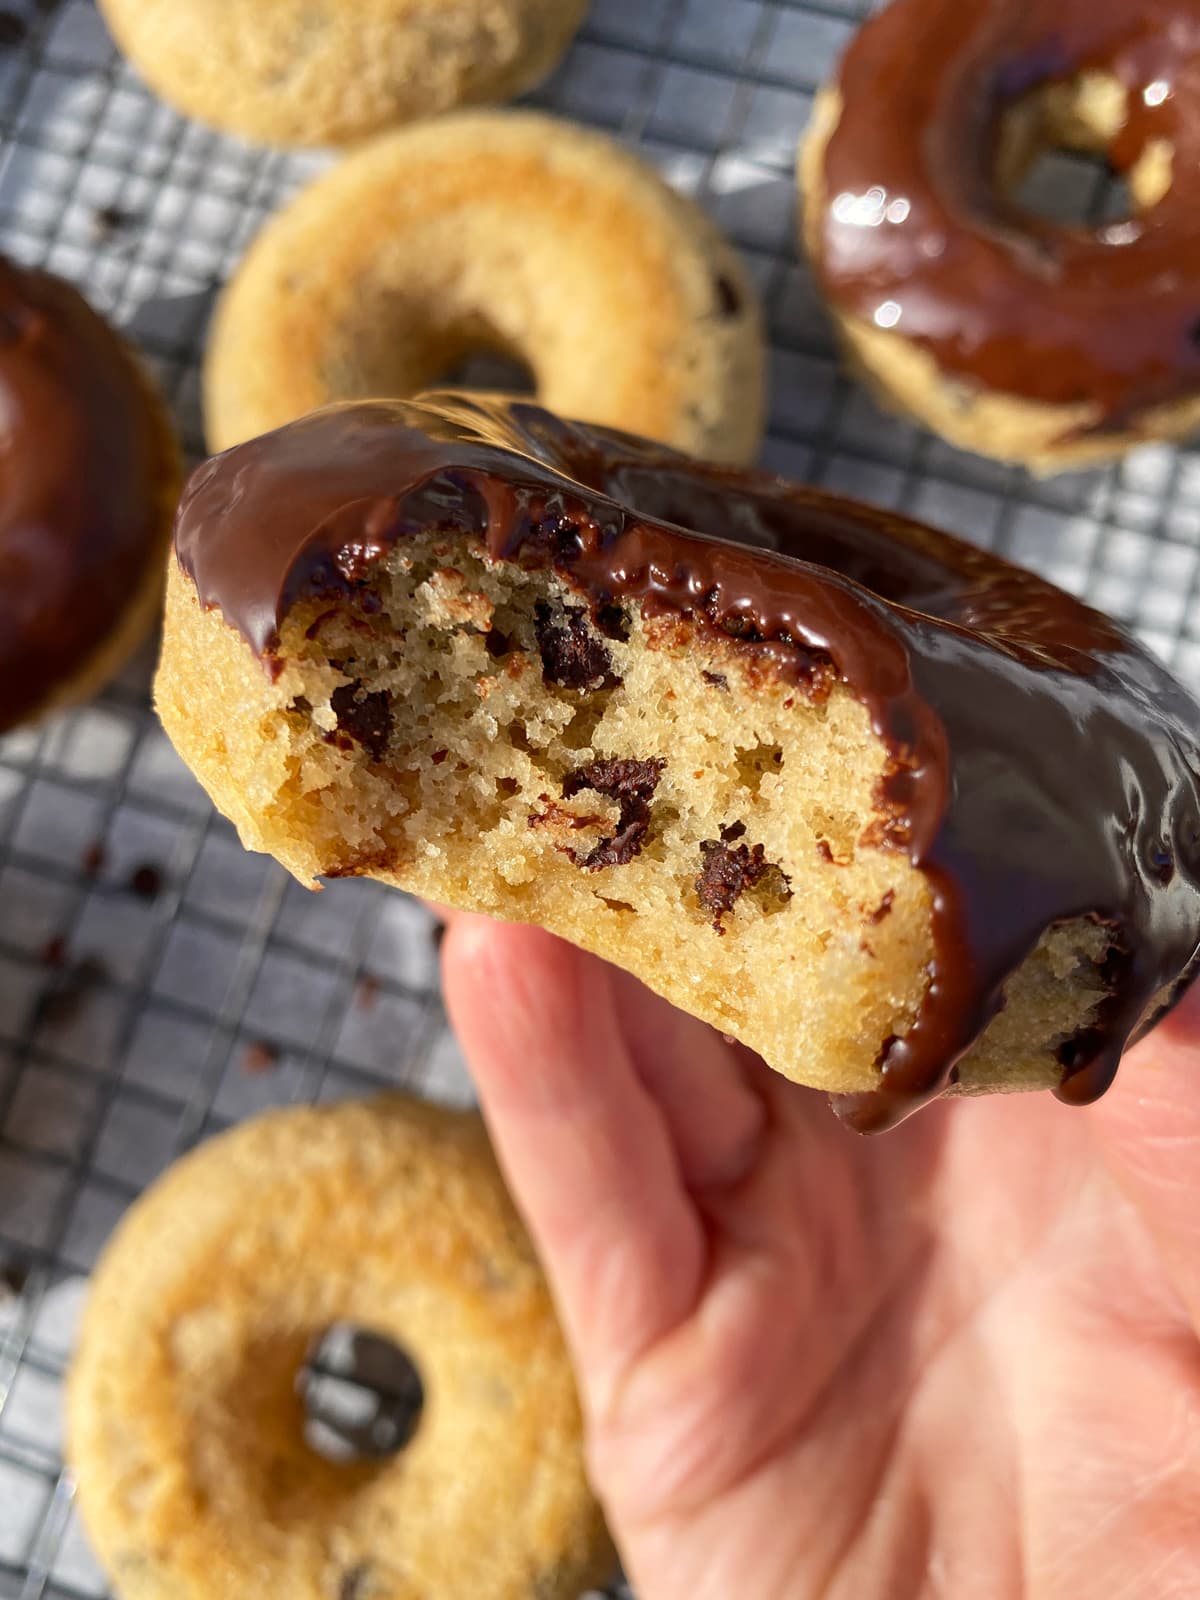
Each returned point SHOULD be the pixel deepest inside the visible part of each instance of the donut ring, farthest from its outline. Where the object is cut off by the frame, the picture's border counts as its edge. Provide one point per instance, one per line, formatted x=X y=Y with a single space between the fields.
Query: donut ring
x=91 y=475
x=1010 y=334
x=508 y=231
x=185 y=1427
x=310 y=72
x=896 y=814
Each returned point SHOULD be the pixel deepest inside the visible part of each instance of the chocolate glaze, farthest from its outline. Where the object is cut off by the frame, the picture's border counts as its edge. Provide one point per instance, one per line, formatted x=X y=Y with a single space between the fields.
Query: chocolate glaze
x=1044 y=767
x=916 y=235
x=83 y=481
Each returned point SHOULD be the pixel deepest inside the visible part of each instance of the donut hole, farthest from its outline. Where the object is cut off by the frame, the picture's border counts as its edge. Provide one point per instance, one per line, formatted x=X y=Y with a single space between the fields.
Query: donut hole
x=1058 y=159
x=362 y=1395
x=400 y=347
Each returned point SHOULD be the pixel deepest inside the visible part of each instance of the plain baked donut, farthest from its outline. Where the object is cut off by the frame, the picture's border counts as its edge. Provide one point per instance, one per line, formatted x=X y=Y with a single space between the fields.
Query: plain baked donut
x=186 y=1429
x=1008 y=333
x=891 y=811
x=308 y=72
x=88 y=488
x=505 y=231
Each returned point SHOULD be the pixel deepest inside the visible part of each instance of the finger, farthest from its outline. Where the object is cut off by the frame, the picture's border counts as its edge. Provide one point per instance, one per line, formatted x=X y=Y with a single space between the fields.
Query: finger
x=716 y=1120
x=586 y=1151
x=1148 y=1126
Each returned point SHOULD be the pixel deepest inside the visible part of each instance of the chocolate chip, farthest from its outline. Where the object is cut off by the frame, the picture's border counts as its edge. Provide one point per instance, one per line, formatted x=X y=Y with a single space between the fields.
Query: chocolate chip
x=613 y=623
x=884 y=908
x=62 y=1002
x=14 y=1275
x=356 y=1583
x=631 y=783
x=107 y=220
x=362 y=1395
x=728 y=870
x=146 y=881
x=364 y=716
x=259 y=1058
x=729 y=296
x=572 y=656
x=91 y=863
x=558 y=533
x=496 y=643
x=717 y=679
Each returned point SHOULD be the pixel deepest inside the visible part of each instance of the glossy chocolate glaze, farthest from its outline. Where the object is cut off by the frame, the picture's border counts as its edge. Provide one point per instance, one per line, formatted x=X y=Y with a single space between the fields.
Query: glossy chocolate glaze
x=1044 y=767
x=916 y=236
x=84 y=474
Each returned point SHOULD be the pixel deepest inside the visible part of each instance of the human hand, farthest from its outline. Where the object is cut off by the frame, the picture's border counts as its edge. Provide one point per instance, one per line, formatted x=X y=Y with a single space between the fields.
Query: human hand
x=956 y=1362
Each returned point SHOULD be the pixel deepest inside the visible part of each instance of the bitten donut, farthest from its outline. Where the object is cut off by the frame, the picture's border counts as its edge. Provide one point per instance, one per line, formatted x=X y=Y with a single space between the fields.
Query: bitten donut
x=88 y=488
x=1009 y=333
x=896 y=814
x=309 y=72
x=246 y=1314
x=499 y=231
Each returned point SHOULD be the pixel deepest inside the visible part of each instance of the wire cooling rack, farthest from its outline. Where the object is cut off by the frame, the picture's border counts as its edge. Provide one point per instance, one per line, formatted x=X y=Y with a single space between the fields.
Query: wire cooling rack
x=157 y=983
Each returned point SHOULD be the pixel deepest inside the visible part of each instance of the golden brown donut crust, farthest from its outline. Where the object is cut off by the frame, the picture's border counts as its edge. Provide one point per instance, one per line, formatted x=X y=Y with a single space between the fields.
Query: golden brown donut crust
x=185 y=1430
x=310 y=72
x=508 y=231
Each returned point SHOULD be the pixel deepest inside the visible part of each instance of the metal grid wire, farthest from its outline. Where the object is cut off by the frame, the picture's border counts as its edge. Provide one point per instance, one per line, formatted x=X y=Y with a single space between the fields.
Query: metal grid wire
x=157 y=983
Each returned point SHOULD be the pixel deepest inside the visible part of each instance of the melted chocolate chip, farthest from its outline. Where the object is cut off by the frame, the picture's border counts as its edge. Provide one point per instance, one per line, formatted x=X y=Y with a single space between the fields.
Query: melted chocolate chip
x=717 y=679
x=496 y=644
x=994 y=694
x=729 y=296
x=571 y=656
x=884 y=909
x=727 y=871
x=631 y=783
x=362 y=1395
x=365 y=716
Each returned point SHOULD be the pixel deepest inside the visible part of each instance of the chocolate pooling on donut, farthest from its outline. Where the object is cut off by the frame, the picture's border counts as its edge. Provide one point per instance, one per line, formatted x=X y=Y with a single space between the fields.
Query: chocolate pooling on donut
x=81 y=486
x=362 y=1395
x=1043 y=766
x=917 y=234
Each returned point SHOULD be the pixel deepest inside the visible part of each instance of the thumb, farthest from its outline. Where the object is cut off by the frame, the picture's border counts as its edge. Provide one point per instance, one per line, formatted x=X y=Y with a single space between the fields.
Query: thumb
x=585 y=1148
x=1148 y=1127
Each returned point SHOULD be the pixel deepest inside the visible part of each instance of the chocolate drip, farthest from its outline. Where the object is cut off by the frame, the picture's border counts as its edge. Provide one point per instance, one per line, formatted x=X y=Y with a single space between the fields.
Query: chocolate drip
x=1043 y=766
x=917 y=236
x=82 y=486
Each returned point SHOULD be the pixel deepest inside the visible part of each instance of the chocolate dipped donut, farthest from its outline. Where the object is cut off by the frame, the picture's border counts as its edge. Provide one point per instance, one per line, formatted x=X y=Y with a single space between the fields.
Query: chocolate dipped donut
x=896 y=814
x=1009 y=333
x=87 y=490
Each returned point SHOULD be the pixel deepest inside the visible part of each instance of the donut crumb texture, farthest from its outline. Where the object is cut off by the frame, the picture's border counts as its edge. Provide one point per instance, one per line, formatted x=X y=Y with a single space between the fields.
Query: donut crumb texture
x=477 y=732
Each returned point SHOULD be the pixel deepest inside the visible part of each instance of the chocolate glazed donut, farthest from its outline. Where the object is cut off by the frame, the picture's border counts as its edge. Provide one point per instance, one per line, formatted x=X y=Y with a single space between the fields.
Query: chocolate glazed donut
x=1043 y=767
x=1092 y=335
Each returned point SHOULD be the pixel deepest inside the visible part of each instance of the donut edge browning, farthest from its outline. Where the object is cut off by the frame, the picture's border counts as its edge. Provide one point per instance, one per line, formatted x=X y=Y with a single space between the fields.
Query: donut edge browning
x=278 y=95
x=687 y=366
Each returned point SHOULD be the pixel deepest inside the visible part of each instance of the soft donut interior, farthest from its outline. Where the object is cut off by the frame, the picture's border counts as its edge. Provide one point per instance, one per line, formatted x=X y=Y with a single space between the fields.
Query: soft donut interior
x=653 y=792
